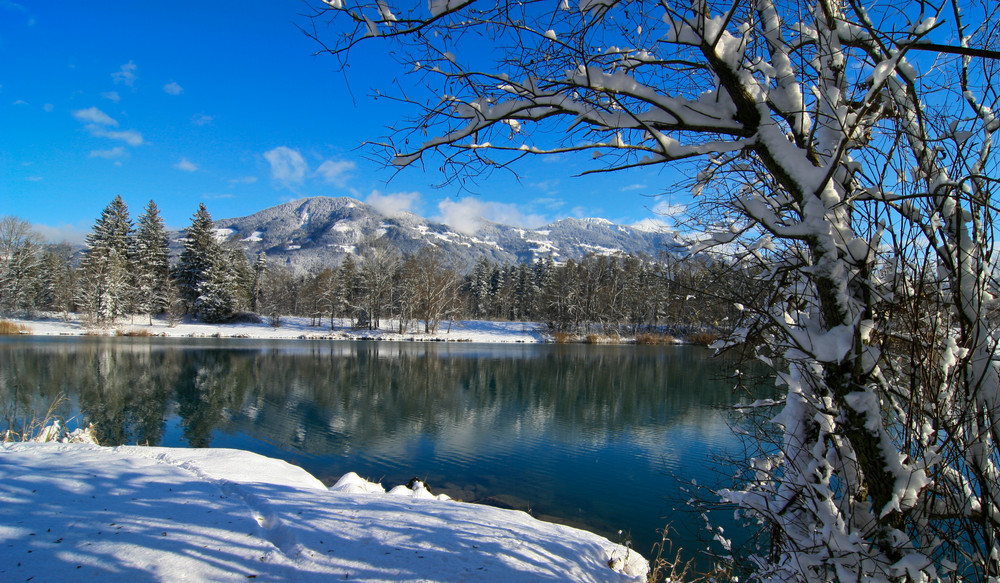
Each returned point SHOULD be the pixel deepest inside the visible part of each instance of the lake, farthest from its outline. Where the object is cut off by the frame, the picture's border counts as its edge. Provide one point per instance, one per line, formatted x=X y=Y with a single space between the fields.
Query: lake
x=601 y=437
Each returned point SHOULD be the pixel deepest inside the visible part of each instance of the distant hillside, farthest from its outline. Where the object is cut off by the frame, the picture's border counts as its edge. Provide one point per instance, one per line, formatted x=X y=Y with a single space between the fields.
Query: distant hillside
x=322 y=231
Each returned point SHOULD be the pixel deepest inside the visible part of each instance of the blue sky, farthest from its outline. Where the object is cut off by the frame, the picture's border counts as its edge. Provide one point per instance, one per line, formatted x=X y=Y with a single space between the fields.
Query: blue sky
x=227 y=104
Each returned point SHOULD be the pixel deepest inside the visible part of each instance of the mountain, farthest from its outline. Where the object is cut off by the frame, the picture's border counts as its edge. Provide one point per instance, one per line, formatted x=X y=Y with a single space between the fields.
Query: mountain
x=321 y=231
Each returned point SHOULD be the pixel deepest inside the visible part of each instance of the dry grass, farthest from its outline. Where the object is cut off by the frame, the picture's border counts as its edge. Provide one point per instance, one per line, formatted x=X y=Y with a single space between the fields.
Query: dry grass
x=654 y=339
x=8 y=328
x=667 y=566
x=703 y=338
x=21 y=429
x=564 y=338
x=136 y=332
x=603 y=339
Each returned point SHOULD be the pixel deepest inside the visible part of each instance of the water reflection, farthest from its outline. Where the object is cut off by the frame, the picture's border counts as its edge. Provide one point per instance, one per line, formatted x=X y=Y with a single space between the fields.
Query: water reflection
x=562 y=429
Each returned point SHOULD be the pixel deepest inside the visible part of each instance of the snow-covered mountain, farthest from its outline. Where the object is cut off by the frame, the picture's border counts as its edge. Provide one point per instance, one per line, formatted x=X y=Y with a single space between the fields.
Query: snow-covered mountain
x=320 y=231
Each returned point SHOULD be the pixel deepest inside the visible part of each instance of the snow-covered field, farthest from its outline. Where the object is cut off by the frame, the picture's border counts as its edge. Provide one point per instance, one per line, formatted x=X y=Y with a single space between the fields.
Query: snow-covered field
x=293 y=327
x=83 y=512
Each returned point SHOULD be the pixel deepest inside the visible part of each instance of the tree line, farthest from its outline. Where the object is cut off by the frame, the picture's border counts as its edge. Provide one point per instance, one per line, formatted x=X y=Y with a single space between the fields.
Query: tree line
x=126 y=271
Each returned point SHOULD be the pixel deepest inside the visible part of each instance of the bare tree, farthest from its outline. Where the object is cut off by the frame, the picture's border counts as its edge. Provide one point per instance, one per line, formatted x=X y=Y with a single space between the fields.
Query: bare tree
x=20 y=256
x=842 y=145
x=379 y=265
x=434 y=285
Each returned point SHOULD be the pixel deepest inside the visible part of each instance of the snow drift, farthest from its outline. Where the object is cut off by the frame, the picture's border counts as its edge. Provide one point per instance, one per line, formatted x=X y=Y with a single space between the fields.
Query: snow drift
x=70 y=511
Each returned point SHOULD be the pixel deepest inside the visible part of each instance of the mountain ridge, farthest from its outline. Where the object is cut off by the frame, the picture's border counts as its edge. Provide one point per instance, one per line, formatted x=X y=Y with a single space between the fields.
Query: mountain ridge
x=320 y=231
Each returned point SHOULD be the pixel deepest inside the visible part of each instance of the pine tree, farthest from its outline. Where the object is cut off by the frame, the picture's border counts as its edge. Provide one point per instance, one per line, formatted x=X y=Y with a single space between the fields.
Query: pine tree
x=196 y=258
x=107 y=266
x=241 y=275
x=57 y=280
x=350 y=288
x=217 y=287
x=259 y=278
x=479 y=287
x=152 y=263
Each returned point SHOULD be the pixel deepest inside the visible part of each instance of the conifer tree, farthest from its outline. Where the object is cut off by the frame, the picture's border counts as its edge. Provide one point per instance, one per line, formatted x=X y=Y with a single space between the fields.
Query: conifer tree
x=57 y=279
x=152 y=263
x=479 y=287
x=196 y=258
x=107 y=267
x=217 y=288
x=351 y=288
x=259 y=278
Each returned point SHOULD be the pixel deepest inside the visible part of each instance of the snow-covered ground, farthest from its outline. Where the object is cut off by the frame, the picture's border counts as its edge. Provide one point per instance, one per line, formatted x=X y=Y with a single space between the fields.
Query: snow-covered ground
x=83 y=512
x=293 y=327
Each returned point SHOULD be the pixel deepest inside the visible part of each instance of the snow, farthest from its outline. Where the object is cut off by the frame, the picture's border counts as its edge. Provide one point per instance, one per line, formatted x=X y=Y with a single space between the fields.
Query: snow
x=81 y=511
x=222 y=235
x=293 y=328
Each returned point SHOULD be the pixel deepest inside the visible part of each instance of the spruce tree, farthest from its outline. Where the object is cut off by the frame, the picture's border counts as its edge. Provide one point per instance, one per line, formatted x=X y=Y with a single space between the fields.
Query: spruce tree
x=195 y=259
x=217 y=288
x=107 y=266
x=56 y=284
x=152 y=263
x=351 y=288
x=259 y=277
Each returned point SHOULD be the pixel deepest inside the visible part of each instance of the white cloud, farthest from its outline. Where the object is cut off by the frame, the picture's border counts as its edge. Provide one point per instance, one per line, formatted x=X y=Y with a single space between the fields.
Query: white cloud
x=287 y=165
x=186 y=165
x=668 y=209
x=130 y=137
x=335 y=171
x=469 y=214
x=98 y=123
x=173 y=88
x=48 y=108
x=653 y=226
x=394 y=203
x=126 y=74
x=243 y=180
x=75 y=234
x=666 y=219
x=201 y=119
x=111 y=96
x=95 y=116
x=112 y=154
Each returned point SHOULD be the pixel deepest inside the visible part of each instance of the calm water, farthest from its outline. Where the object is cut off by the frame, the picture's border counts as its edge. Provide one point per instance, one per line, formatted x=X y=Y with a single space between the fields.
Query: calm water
x=589 y=435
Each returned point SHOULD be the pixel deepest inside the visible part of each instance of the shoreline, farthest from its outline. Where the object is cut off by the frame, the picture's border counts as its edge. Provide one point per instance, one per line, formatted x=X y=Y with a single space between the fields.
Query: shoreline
x=291 y=328
x=301 y=328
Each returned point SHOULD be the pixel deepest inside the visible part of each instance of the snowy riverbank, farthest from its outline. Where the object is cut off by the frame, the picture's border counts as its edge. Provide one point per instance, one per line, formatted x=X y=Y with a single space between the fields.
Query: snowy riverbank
x=79 y=511
x=290 y=328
